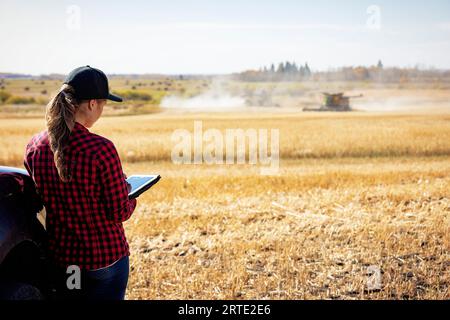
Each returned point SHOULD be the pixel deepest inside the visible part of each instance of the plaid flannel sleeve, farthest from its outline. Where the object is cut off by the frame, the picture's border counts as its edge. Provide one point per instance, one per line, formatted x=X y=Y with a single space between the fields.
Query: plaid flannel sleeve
x=114 y=186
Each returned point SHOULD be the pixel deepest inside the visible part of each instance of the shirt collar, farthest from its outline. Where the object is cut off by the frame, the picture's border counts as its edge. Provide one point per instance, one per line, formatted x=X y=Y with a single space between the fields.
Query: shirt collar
x=79 y=127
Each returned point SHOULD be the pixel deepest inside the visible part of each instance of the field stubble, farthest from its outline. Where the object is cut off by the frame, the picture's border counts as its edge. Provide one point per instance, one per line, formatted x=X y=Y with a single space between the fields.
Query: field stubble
x=355 y=192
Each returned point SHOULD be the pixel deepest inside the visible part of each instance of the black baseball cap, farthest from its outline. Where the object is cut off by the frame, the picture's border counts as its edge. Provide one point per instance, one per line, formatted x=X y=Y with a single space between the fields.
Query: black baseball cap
x=90 y=83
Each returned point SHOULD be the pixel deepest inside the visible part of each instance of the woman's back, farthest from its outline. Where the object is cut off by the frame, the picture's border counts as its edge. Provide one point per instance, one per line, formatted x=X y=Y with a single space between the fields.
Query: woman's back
x=79 y=178
x=84 y=215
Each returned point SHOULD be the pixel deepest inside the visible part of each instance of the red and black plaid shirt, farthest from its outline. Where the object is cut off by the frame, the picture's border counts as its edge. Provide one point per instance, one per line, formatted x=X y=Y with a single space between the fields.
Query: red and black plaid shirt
x=84 y=216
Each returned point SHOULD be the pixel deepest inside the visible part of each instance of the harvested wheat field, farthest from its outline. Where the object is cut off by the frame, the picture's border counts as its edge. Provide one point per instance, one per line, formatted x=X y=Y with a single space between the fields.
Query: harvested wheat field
x=359 y=210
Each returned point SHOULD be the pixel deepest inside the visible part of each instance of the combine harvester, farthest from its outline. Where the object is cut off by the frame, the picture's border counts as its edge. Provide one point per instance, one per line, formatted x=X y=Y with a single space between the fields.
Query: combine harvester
x=335 y=102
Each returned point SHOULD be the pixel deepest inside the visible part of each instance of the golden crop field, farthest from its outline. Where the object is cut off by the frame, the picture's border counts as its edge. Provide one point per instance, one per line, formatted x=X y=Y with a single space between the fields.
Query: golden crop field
x=358 y=195
x=303 y=149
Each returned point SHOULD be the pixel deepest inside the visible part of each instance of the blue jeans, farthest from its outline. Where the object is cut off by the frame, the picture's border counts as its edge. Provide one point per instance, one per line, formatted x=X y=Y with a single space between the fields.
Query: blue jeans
x=108 y=283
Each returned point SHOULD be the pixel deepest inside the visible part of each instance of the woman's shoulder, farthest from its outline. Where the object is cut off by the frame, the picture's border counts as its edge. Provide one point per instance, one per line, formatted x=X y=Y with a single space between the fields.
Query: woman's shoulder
x=99 y=140
x=103 y=151
x=39 y=139
x=94 y=143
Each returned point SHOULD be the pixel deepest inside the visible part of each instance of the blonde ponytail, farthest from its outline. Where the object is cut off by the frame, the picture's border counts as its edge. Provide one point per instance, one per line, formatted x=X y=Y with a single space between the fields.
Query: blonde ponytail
x=60 y=119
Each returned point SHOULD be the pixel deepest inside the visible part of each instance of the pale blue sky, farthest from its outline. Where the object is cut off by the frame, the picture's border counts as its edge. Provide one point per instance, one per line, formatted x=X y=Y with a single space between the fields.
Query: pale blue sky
x=199 y=36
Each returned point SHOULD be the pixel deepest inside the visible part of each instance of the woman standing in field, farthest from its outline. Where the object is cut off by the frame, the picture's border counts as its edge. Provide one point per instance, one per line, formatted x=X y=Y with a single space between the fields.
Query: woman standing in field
x=79 y=177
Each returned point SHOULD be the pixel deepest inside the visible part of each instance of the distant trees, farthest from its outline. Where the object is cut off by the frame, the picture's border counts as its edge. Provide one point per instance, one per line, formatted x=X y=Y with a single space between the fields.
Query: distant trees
x=20 y=100
x=285 y=71
x=291 y=71
x=272 y=68
x=134 y=95
x=380 y=64
x=4 y=96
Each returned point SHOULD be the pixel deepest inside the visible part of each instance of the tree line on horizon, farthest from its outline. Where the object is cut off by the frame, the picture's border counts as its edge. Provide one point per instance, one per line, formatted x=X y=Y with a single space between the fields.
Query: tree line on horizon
x=376 y=73
x=285 y=71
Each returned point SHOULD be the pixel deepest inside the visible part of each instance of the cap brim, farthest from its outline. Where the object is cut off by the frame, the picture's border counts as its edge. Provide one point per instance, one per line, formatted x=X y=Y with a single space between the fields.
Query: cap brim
x=115 y=98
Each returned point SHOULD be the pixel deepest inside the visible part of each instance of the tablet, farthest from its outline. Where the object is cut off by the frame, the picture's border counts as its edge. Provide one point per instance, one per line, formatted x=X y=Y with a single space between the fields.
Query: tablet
x=141 y=183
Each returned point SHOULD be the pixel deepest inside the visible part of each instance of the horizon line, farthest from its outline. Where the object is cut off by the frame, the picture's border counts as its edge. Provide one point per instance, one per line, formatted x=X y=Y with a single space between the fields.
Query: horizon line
x=331 y=69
